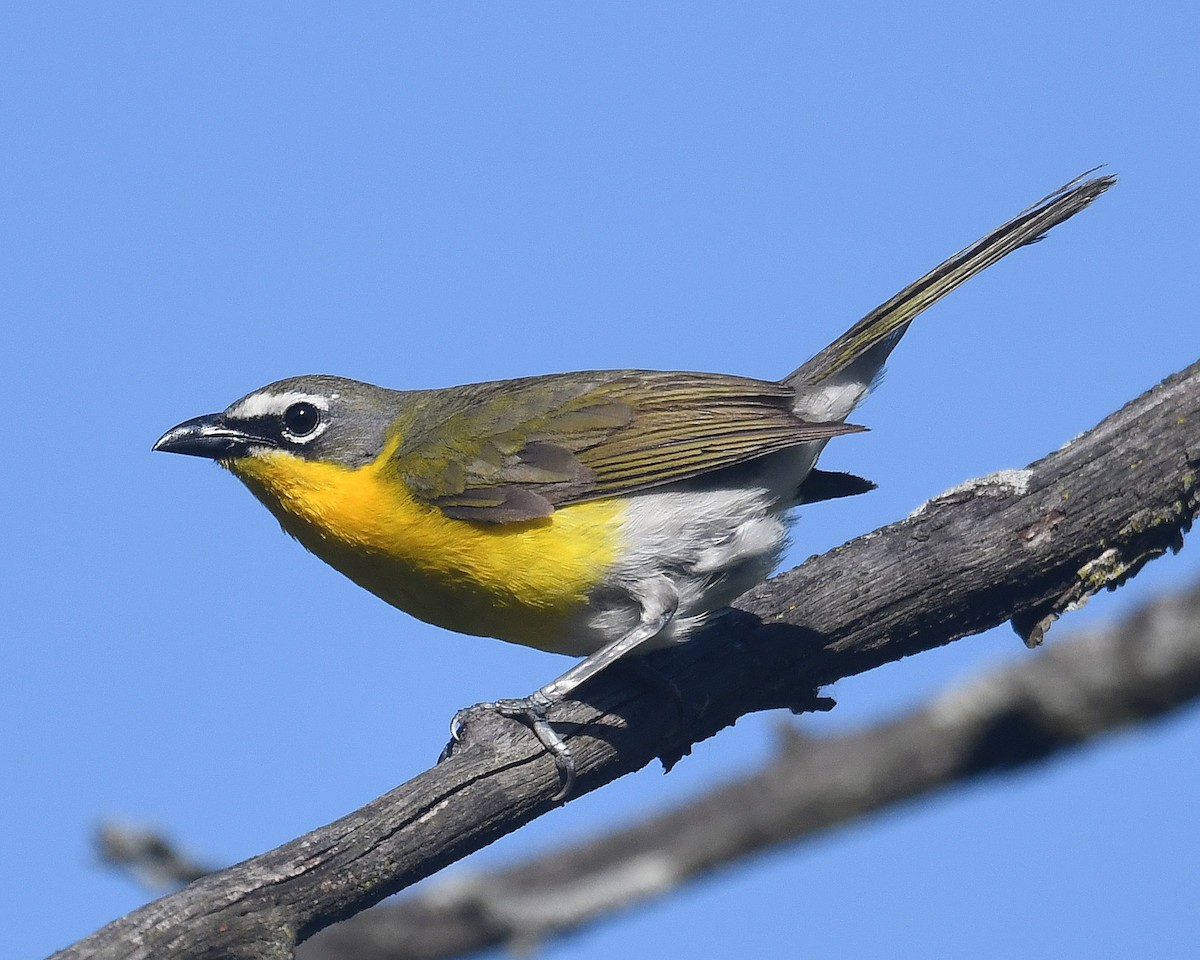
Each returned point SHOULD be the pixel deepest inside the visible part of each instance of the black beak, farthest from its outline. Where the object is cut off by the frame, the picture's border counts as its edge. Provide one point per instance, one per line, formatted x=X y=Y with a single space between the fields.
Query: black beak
x=208 y=436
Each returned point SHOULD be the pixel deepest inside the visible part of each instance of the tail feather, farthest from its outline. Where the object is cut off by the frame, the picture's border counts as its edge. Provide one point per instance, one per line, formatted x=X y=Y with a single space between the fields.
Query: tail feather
x=832 y=383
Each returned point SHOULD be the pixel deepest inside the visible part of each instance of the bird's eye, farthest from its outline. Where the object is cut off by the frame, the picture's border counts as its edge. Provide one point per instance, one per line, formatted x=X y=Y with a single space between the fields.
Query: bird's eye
x=301 y=419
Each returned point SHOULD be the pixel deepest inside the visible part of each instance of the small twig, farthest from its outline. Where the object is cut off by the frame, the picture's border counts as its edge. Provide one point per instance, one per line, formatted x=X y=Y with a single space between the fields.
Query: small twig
x=148 y=854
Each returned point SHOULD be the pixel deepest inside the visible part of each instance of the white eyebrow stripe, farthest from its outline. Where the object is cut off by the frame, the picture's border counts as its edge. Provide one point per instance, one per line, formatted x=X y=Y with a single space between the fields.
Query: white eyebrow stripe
x=273 y=404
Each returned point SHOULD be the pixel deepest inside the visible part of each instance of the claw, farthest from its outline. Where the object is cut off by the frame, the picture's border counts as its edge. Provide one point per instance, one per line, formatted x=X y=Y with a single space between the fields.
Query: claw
x=457 y=723
x=532 y=712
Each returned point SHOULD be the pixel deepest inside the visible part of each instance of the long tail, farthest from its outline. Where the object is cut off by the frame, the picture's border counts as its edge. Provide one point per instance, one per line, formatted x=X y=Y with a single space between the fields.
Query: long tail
x=830 y=384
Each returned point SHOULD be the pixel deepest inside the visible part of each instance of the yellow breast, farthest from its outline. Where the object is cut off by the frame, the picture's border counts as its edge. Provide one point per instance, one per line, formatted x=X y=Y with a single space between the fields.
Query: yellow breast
x=518 y=582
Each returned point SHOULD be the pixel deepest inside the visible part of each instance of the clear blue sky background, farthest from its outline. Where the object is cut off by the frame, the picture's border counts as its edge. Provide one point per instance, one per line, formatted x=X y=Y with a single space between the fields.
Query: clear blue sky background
x=198 y=199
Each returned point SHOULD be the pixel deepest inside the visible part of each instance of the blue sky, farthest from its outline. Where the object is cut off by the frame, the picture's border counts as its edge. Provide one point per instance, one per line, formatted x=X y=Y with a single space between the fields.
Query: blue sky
x=200 y=199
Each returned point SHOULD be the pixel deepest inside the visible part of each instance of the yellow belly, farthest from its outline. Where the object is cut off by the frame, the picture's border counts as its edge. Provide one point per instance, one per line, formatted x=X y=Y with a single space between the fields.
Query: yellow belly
x=515 y=581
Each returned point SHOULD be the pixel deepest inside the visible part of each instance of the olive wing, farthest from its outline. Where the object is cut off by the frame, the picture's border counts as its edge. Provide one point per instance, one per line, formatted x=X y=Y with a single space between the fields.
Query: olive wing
x=515 y=450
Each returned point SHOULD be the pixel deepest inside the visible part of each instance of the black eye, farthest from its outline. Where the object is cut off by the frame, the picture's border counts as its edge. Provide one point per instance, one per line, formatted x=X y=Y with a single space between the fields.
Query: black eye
x=301 y=419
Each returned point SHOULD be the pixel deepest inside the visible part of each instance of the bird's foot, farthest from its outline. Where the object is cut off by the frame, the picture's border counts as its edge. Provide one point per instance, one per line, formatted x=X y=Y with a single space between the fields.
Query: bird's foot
x=532 y=711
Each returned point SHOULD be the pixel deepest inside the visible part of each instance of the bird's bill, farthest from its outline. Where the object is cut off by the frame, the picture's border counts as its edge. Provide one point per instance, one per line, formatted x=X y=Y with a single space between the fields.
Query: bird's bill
x=209 y=436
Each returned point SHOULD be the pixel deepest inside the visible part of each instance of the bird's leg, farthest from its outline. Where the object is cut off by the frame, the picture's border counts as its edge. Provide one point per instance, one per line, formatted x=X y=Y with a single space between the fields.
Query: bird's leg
x=658 y=605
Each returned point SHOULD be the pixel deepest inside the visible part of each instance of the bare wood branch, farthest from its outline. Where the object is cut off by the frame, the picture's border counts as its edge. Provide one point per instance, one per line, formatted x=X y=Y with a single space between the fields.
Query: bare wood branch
x=1023 y=546
x=1090 y=685
x=149 y=855
x=1093 y=684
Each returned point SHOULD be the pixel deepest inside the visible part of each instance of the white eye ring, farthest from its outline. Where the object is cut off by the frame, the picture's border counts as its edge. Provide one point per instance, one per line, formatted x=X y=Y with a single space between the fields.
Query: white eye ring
x=302 y=421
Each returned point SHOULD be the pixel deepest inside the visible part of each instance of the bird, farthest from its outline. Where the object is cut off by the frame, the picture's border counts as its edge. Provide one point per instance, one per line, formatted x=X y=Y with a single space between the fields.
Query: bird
x=598 y=514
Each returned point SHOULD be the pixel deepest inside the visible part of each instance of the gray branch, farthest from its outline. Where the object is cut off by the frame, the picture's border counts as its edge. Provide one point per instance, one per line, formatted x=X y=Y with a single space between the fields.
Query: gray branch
x=1023 y=546
x=1093 y=684
x=150 y=856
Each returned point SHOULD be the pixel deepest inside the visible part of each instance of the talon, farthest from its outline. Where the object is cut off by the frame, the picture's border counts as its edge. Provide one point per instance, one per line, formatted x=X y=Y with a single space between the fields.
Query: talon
x=532 y=712
x=458 y=724
x=455 y=739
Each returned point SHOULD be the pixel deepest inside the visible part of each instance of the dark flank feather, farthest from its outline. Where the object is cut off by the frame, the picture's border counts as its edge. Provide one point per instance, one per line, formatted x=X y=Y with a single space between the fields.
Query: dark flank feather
x=828 y=485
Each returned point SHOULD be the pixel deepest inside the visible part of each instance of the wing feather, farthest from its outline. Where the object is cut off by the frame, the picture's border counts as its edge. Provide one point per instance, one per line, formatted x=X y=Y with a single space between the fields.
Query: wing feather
x=514 y=450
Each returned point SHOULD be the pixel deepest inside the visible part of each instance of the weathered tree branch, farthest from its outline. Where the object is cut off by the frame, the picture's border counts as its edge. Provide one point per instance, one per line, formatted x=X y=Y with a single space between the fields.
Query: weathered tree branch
x=1095 y=683
x=1090 y=685
x=1022 y=546
x=151 y=856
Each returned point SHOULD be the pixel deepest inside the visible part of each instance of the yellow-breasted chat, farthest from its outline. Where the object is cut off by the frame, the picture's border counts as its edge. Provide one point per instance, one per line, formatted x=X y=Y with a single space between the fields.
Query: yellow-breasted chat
x=596 y=514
